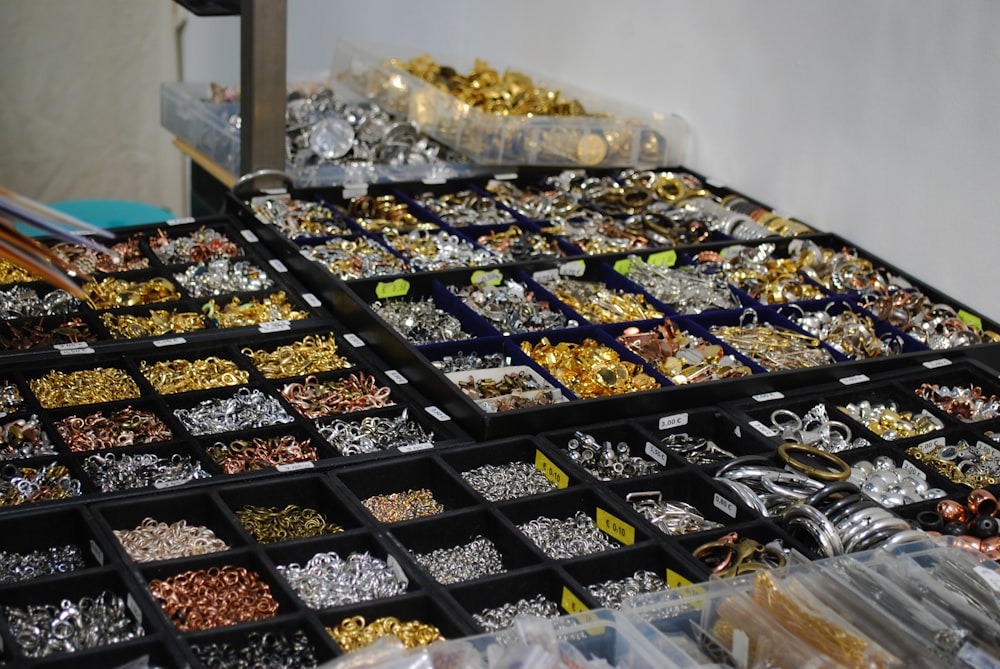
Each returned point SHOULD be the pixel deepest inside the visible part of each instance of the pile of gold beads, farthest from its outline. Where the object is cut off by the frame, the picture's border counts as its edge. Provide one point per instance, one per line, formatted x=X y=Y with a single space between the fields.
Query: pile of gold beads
x=353 y=633
x=588 y=368
x=109 y=293
x=182 y=375
x=158 y=322
x=681 y=356
x=218 y=596
x=313 y=398
x=11 y=273
x=509 y=94
x=890 y=422
x=123 y=427
x=407 y=505
x=237 y=313
x=310 y=355
x=258 y=453
x=765 y=278
x=773 y=347
x=86 y=386
x=599 y=304
x=153 y=540
x=273 y=524
x=383 y=212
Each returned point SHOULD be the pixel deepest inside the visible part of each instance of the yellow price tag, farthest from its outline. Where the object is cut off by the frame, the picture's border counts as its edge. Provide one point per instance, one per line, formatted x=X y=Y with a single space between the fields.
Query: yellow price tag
x=615 y=527
x=491 y=278
x=970 y=319
x=623 y=266
x=396 y=288
x=668 y=258
x=551 y=471
x=675 y=580
x=571 y=603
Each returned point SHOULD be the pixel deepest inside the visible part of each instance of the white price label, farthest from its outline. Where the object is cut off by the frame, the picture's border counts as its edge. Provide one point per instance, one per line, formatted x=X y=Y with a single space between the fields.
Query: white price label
x=544 y=275
x=940 y=362
x=295 y=466
x=171 y=483
x=767 y=397
x=97 y=552
x=277 y=265
x=434 y=181
x=311 y=300
x=396 y=376
x=354 y=340
x=171 y=341
x=930 y=444
x=913 y=469
x=854 y=380
x=724 y=505
x=419 y=446
x=677 y=420
x=763 y=429
x=575 y=268
x=351 y=192
x=179 y=221
x=71 y=345
x=249 y=236
x=437 y=413
x=274 y=326
x=505 y=176
x=655 y=452
x=77 y=351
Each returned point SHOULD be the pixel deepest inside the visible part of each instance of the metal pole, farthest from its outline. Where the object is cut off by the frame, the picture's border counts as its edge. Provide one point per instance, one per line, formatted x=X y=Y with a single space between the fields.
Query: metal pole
x=263 y=58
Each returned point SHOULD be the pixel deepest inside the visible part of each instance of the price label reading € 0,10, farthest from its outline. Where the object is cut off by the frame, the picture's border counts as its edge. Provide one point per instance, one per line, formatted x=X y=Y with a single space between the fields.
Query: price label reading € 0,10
x=557 y=476
x=614 y=527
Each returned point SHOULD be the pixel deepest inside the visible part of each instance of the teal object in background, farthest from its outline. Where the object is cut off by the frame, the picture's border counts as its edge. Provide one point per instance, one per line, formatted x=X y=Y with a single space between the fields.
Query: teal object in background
x=113 y=213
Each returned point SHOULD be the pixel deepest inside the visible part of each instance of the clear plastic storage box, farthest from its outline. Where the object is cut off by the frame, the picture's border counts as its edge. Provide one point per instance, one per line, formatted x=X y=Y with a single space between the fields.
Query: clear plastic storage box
x=615 y=134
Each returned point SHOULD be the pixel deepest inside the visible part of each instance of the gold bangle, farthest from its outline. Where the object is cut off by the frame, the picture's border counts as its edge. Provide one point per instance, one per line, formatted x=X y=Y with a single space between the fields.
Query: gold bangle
x=840 y=470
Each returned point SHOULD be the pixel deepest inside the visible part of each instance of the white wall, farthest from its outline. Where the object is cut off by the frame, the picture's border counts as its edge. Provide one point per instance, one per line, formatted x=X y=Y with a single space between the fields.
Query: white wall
x=879 y=121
